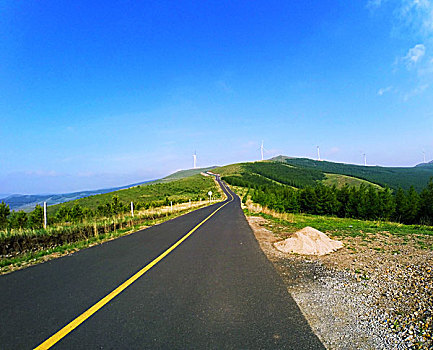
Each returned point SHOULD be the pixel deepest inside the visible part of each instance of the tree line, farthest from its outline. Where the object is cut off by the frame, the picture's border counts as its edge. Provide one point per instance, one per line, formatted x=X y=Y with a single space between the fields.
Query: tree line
x=363 y=202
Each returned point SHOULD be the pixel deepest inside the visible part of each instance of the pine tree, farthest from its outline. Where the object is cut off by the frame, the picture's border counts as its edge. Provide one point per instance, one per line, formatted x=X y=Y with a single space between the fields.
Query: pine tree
x=77 y=213
x=36 y=217
x=426 y=204
x=401 y=205
x=412 y=208
x=4 y=213
x=387 y=204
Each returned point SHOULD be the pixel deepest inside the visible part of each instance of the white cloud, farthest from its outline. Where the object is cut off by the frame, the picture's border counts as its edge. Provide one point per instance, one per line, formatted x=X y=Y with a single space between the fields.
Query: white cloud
x=413 y=20
x=44 y=173
x=374 y=4
x=384 y=90
x=417 y=15
x=417 y=91
x=414 y=55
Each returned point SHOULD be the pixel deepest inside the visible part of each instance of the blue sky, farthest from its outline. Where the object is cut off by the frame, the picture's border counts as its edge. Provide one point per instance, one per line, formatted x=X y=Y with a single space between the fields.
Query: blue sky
x=96 y=94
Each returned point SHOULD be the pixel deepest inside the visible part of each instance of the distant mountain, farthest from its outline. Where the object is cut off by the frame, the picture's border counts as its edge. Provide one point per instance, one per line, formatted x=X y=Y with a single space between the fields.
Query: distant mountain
x=27 y=202
x=393 y=177
x=425 y=165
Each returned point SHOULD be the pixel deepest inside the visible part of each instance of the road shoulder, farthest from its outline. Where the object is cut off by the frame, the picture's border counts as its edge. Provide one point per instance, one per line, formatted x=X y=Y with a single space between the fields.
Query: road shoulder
x=346 y=310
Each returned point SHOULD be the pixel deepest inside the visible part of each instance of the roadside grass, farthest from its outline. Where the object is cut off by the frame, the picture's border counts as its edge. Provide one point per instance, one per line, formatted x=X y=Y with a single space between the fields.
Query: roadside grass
x=377 y=235
x=381 y=236
x=345 y=227
x=141 y=220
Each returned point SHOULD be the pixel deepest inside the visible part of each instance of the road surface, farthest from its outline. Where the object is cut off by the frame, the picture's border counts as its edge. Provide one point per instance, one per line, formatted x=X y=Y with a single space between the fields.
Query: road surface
x=199 y=281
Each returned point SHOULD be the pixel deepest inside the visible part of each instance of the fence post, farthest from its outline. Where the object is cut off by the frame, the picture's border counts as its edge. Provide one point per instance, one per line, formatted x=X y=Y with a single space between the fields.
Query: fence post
x=132 y=209
x=45 y=215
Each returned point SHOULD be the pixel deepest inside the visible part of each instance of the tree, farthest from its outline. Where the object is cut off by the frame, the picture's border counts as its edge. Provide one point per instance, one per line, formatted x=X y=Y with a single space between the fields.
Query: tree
x=362 y=203
x=115 y=205
x=77 y=213
x=291 y=201
x=400 y=206
x=326 y=200
x=4 y=213
x=426 y=204
x=308 y=200
x=21 y=219
x=372 y=206
x=17 y=219
x=412 y=208
x=36 y=217
x=343 y=199
x=387 y=204
x=63 y=214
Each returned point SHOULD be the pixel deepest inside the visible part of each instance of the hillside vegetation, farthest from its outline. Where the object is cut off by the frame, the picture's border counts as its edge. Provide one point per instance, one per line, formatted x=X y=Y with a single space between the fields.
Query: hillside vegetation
x=295 y=189
x=156 y=194
x=277 y=173
x=110 y=204
x=418 y=176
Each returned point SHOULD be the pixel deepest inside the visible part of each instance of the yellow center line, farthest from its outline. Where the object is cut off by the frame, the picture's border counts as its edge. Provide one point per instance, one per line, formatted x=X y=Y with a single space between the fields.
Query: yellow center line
x=93 y=309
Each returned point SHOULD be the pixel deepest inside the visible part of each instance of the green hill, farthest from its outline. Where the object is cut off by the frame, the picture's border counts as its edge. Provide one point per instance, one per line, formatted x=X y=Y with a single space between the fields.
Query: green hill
x=278 y=173
x=393 y=177
x=180 y=190
x=181 y=174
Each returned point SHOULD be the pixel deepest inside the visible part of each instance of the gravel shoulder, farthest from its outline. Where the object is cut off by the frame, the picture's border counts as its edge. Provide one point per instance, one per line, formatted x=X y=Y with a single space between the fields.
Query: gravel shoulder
x=362 y=296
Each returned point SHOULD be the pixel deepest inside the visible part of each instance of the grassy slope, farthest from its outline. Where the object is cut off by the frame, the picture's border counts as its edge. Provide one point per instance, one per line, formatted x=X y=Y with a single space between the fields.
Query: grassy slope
x=181 y=174
x=341 y=180
x=192 y=187
x=390 y=176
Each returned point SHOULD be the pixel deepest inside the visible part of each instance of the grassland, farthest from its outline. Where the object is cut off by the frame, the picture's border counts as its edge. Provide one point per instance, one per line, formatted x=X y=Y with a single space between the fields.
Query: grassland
x=181 y=174
x=341 y=180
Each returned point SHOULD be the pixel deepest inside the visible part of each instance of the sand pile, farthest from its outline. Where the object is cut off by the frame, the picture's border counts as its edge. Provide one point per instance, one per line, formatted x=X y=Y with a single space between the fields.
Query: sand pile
x=308 y=241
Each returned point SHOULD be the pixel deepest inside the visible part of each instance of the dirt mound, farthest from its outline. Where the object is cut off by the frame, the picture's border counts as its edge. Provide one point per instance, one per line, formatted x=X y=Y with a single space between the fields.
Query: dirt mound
x=308 y=241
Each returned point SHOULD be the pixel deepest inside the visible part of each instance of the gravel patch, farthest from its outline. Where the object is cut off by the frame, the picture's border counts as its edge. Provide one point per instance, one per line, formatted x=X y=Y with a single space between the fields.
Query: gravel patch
x=362 y=300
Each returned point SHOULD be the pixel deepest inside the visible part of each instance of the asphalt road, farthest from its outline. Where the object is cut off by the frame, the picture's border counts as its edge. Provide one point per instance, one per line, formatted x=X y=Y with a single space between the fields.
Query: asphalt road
x=216 y=290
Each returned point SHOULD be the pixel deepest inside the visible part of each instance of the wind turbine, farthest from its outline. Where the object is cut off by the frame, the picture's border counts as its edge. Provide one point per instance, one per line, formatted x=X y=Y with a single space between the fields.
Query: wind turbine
x=365 y=159
x=318 y=153
x=423 y=153
x=262 y=149
x=194 y=157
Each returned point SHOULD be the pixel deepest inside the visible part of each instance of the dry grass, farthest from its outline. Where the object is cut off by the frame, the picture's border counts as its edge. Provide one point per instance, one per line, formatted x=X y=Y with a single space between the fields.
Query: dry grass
x=257 y=208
